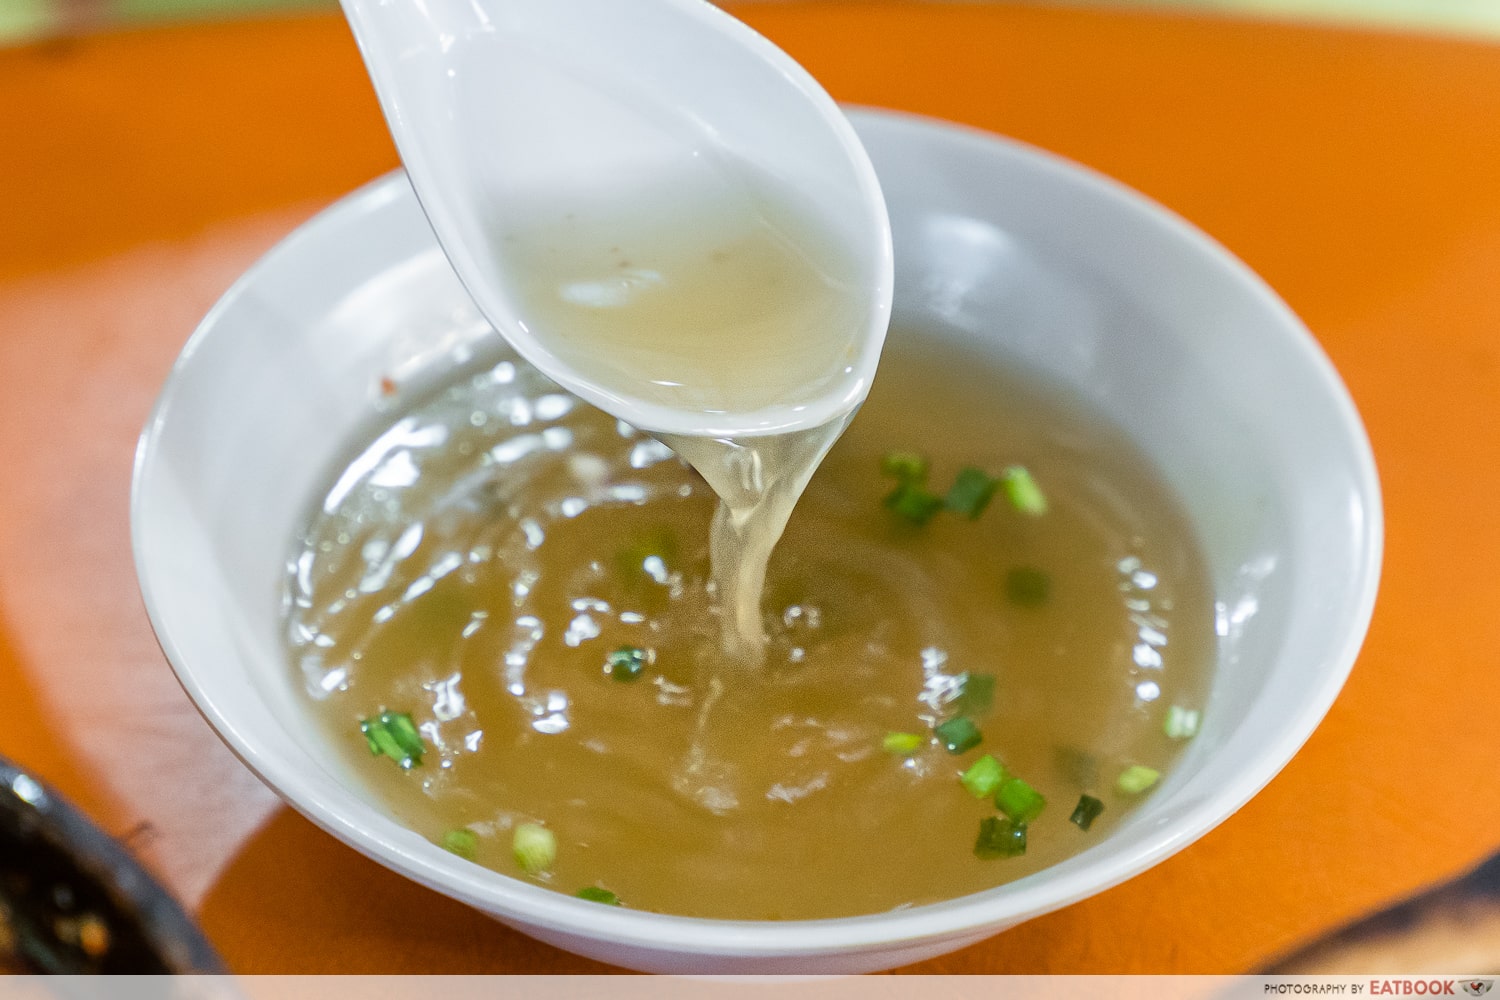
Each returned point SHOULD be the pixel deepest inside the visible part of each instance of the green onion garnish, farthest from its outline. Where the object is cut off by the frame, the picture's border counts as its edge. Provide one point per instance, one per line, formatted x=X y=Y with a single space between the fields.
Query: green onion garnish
x=1136 y=778
x=971 y=491
x=1022 y=491
x=1019 y=801
x=903 y=743
x=386 y=742
x=394 y=735
x=405 y=731
x=1087 y=810
x=626 y=663
x=1000 y=838
x=462 y=842
x=958 y=735
x=594 y=894
x=1027 y=586
x=976 y=695
x=983 y=776
x=535 y=848
x=1181 y=723
x=907 y=466
x=911 y=502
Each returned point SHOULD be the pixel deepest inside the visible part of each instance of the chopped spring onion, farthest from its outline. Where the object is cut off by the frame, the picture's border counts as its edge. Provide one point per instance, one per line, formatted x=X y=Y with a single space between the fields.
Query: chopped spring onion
x=1022 y=491
x=394 y=735
x=1136 y=778
x=626 y=663
x=911 y=502
x=535 y=848
x=1019 y=801
x=903 y=743
x=971 y=491
x=1027 y=586
x=976 y=695
x=1181 y=723
x=1087 y=810
x=907 y=466
x=405 y=731
x=594 y=894
x=958 y=735
x=462 y=842
x=385 y=743
x=983 y=777
x=1000 y=838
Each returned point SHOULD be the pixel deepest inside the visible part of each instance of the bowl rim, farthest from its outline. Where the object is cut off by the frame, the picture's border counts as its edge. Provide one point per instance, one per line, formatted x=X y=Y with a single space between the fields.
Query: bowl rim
x=511 y=899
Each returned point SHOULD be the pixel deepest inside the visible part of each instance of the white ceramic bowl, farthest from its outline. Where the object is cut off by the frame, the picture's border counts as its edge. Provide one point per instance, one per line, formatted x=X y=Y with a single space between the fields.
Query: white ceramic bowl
x=1042 y=262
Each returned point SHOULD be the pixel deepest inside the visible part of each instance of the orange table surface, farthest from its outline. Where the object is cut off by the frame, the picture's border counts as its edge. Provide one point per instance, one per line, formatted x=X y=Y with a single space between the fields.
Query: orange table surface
x=1359 y=173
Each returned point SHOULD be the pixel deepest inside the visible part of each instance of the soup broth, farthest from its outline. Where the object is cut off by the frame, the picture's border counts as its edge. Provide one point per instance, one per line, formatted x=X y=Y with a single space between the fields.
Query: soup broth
x=528 y=579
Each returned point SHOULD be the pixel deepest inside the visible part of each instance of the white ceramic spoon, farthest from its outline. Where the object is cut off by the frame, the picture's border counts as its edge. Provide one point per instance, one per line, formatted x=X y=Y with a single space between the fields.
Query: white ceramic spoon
x=498 y=106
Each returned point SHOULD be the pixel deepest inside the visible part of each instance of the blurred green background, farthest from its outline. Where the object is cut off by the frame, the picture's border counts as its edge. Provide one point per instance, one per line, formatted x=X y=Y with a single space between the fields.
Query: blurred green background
x=22 y=20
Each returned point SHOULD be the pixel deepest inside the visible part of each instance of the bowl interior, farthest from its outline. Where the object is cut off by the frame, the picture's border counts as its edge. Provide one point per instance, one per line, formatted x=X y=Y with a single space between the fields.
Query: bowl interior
x=1017 y=253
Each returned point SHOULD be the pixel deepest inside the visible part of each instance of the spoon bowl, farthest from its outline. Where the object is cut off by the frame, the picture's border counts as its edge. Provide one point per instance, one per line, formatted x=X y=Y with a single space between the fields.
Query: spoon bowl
x=507 y=110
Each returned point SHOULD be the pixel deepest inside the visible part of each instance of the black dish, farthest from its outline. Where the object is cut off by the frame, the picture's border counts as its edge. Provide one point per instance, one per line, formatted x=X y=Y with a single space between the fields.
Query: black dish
x=73 y=901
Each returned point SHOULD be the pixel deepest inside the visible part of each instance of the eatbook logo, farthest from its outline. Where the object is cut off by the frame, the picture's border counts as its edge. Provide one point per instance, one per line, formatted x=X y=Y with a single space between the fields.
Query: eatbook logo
x=1477 y=987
